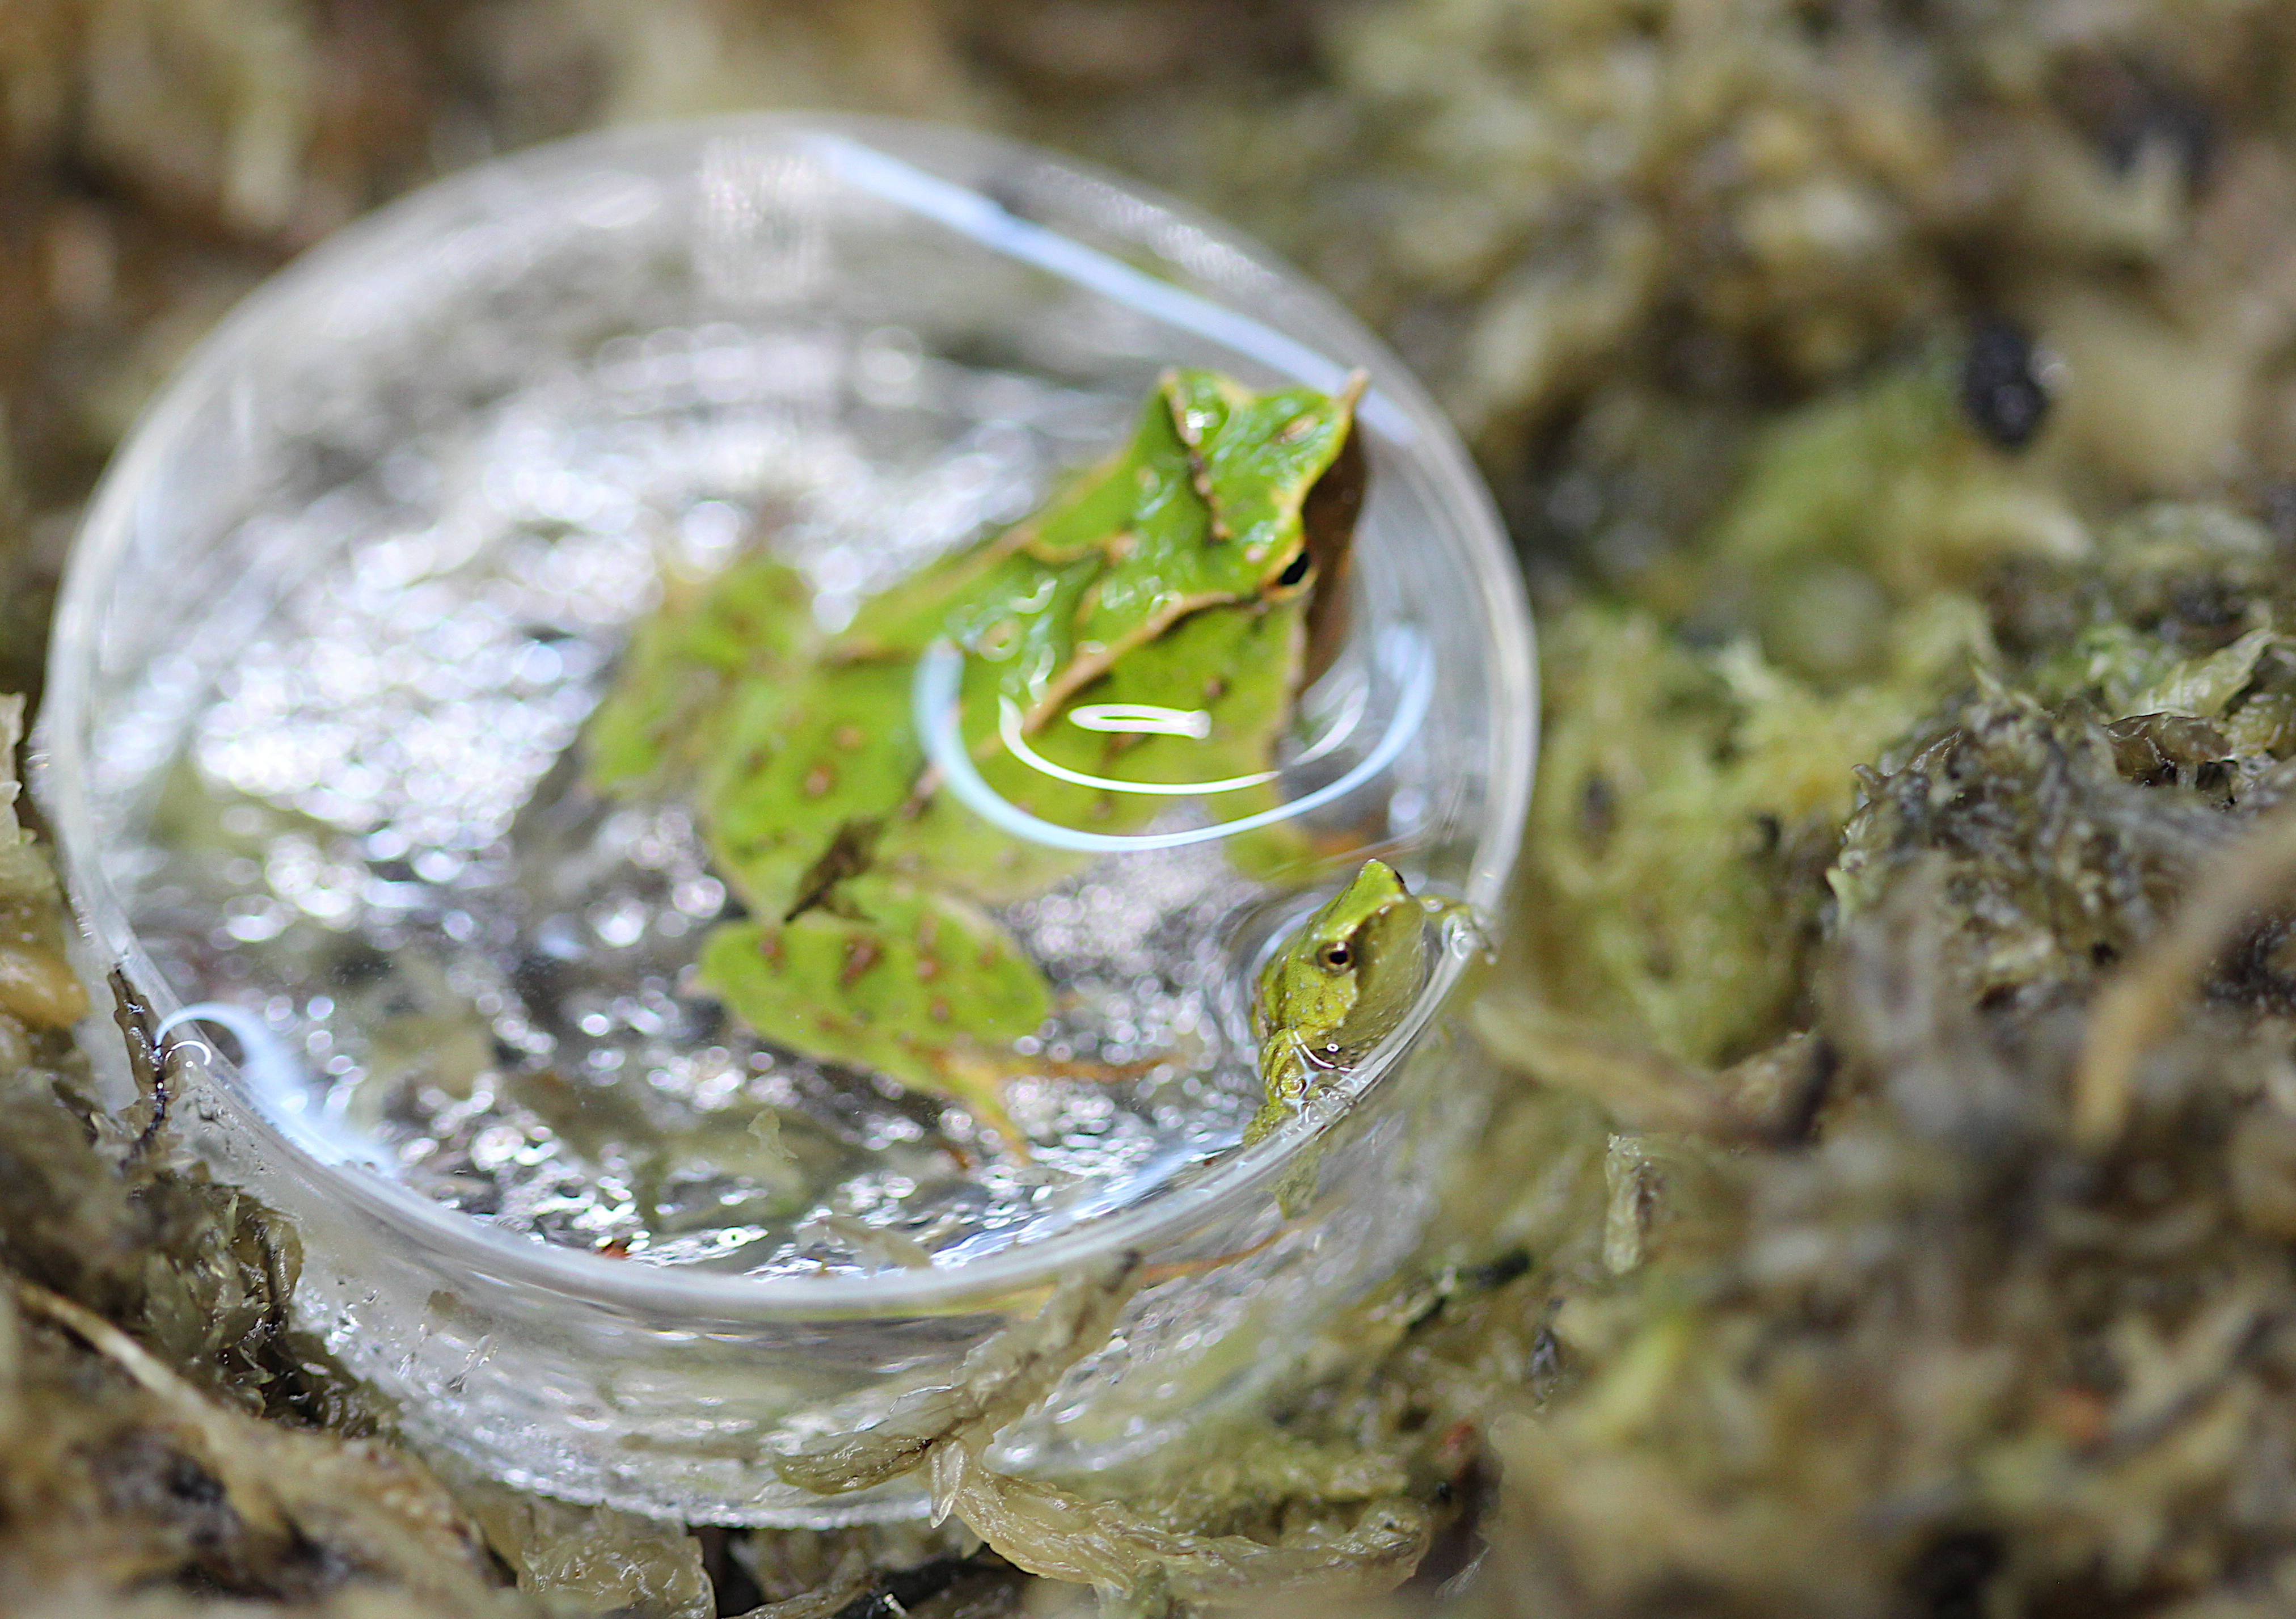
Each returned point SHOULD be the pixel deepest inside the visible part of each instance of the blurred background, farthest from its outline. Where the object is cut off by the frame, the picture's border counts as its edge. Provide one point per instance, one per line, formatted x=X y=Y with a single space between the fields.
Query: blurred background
x=1739 y=202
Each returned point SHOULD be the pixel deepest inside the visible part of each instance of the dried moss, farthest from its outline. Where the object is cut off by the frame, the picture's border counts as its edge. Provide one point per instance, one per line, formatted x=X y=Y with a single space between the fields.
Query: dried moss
x=207 y=1449
x=1949 y=1321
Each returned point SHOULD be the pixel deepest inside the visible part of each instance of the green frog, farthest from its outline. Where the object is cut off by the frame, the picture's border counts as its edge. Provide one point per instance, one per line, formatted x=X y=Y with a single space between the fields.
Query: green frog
x=1148 y=627
x=1338 y=985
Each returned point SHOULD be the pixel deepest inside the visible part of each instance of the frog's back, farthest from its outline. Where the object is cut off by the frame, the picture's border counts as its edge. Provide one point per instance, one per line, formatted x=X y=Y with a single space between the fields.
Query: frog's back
x=707 y=648
x=798 y=759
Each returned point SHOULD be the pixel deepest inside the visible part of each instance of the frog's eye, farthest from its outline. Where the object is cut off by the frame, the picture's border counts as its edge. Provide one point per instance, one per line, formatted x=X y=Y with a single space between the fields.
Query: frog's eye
x=1336 y=956
x=1296 y=572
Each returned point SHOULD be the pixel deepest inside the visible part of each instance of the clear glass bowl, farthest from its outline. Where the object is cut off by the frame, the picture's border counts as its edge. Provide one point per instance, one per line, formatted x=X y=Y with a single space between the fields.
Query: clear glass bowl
x=347 y=595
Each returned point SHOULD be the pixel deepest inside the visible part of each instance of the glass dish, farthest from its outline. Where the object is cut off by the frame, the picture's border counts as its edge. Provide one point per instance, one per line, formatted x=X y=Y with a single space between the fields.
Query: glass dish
x=344 y=601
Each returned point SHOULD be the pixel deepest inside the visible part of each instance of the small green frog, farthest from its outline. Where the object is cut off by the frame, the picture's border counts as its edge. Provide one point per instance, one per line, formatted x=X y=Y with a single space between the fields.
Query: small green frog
x=1149 y=626
x=1338 y=985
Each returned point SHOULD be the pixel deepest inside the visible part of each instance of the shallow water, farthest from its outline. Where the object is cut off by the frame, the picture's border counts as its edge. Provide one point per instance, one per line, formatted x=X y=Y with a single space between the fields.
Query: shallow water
x=370 y=834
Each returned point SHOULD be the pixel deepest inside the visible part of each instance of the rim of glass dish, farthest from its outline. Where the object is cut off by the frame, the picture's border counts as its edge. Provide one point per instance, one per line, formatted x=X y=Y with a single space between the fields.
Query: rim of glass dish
x=1303 y=312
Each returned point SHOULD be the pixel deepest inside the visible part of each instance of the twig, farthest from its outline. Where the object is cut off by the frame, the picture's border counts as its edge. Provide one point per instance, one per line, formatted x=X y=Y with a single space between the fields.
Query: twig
x=2136 y=1007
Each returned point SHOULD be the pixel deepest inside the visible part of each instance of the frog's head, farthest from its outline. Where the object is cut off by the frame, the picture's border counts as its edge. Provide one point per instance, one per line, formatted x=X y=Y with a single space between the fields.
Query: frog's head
x=1327 y=529
x=1352 y=969
x=1284 y=473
